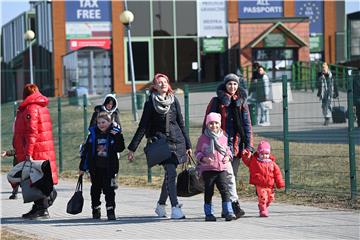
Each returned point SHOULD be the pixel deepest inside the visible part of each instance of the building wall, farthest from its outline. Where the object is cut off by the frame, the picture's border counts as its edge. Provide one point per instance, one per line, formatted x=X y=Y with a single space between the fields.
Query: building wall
x=58 y=10
x=329 y=30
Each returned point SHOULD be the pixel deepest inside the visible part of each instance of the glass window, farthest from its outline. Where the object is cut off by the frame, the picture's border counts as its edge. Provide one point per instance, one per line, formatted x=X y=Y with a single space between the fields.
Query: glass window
x=186 y=18
x=164 y=57
x=141 y=24
x=141 y=61
x=186 y=54
x=163 y=18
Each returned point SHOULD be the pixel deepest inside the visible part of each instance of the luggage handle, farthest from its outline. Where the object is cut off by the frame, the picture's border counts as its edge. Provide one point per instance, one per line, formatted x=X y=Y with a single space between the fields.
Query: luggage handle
x=338 y=101
x=191 y=161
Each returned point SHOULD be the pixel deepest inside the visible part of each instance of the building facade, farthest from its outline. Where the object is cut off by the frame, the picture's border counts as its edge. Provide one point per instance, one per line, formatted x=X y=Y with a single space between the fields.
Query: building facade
x=83 y=44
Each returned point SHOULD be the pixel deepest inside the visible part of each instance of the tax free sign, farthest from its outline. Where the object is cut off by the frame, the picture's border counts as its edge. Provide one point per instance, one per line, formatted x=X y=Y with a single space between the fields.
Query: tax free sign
x=88 y=11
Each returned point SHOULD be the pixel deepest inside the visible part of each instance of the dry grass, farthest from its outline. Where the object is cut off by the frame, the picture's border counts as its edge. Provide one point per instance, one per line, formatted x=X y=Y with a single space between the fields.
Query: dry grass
x=8 y=234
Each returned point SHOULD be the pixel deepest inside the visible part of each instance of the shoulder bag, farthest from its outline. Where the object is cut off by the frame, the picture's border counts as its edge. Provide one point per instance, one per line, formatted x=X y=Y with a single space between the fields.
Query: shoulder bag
x=157 y=149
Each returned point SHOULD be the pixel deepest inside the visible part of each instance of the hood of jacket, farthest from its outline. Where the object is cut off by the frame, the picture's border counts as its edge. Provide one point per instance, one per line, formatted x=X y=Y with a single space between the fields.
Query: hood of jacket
x=113 y=97
x=35 y=98
x=240 y=96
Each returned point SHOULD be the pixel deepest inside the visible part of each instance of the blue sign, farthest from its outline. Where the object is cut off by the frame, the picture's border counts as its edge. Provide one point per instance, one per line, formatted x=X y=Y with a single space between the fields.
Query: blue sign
x=261 y=9
x=88 y=11
x=314 y=10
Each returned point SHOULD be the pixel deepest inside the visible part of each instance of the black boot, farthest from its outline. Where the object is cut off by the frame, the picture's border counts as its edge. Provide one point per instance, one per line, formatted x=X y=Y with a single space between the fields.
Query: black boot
x=14 y=192
x=237 y=210
x=110 y=213
x=36 y=212
x=96 y=212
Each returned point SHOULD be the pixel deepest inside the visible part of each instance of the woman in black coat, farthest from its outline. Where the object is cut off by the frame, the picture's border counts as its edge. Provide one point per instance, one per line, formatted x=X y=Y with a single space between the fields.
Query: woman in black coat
x=161 y=103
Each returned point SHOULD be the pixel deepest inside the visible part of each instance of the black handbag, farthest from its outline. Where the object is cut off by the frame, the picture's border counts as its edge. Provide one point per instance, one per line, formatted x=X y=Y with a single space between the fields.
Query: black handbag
x=338 y=113
x=189 y=183
x=75 y=204
x=157 y=149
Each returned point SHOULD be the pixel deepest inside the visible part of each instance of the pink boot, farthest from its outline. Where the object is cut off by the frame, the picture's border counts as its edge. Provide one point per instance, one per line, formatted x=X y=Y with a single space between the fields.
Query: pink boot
x=263 y=211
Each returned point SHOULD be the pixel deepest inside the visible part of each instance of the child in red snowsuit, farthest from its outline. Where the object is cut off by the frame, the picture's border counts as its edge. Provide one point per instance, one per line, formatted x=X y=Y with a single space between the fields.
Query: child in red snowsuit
x=264 y=174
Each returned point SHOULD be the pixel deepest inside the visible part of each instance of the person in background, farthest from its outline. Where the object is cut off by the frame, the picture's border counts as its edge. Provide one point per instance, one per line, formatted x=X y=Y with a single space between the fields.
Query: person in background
x=327 y=90
x=212 y=153
x=10 y=153
x=263 y=97
x=264 y=174
x=110 y=106
x=33 y=140
x=162 y=104
x=101 y=160
x=231 y=103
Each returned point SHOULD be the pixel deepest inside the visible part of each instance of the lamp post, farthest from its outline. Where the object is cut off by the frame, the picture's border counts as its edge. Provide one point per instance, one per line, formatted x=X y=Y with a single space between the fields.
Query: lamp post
x=29 y=36
x=126 y=17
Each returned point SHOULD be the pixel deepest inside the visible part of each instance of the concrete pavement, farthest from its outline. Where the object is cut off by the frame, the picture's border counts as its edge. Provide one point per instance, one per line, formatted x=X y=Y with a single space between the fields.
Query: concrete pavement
x=136 y=219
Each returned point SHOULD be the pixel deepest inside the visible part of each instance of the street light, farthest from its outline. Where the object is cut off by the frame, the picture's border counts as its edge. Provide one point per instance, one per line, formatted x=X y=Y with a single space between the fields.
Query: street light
x=29 y=36
x=126 y=17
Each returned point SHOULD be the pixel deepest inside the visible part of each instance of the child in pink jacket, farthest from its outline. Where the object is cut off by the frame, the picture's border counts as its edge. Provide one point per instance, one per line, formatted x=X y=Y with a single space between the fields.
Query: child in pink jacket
x=212 y=153
x=264 y=174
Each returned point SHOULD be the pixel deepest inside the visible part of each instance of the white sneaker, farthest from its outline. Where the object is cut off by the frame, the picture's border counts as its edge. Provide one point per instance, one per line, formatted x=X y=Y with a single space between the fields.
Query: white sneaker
x=176 y=212
x=160 y=210
x=265 y=124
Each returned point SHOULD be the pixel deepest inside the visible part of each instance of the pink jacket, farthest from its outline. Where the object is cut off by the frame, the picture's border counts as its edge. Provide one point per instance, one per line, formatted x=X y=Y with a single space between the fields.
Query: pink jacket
x=203 y=150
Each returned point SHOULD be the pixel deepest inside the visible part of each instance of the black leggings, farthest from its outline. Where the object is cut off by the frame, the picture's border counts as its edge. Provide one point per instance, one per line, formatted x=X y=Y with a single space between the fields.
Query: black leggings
x=101 y=181
x=210 y=179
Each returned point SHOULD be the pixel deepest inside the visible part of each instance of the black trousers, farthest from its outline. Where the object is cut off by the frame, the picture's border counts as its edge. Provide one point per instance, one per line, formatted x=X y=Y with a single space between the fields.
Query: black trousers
x=101 y=182
x=210 y=179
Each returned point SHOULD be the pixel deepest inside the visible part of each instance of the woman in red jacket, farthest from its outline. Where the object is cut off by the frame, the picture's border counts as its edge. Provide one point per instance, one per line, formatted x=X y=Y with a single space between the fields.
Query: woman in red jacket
x=264 y=174
x=33 y=139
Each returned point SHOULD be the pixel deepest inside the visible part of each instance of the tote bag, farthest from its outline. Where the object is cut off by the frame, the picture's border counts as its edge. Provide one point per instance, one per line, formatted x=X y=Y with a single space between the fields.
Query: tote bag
x=75 y=204
x=189 y=182
x=30 y=193
x=157 y=150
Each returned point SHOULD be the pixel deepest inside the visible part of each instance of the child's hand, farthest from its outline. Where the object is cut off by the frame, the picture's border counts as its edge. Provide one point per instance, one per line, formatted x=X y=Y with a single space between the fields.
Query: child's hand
x=246 y=153
x=130 y=156
x=3 y=154
x=226 y=159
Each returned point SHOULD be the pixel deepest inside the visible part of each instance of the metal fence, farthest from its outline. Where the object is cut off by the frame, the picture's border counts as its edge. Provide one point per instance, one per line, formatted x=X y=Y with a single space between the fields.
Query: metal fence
x=313 y=157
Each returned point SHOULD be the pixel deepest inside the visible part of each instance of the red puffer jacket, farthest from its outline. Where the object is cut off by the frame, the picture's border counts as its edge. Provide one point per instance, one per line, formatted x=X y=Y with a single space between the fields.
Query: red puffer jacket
x=264 y=174
x=33 y=132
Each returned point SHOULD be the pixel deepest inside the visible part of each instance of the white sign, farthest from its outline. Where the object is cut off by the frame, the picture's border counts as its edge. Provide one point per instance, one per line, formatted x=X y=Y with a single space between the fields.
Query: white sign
x=211 y=18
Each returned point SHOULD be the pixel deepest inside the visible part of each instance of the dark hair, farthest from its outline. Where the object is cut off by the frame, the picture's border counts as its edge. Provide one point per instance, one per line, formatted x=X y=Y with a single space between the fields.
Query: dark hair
x=108 y=99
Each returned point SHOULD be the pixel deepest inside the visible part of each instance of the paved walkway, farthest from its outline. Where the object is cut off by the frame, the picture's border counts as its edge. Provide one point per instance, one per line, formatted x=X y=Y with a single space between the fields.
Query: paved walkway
x=136 y=219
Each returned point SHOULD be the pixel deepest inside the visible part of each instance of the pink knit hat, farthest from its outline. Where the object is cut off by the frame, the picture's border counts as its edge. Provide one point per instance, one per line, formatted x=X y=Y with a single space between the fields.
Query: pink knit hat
x=264 y=147
x=213 y=117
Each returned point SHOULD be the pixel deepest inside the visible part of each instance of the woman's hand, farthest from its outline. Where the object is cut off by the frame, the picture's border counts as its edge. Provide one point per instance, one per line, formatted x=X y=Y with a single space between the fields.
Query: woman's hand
x=189 y=151
x=81 y=173
x=28 y=157
x=246 y=153
x=130 y=156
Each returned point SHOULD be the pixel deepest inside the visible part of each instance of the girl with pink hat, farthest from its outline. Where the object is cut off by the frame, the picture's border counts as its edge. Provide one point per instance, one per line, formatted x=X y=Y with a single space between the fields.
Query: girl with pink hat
x=213 y=153
x=264 y=174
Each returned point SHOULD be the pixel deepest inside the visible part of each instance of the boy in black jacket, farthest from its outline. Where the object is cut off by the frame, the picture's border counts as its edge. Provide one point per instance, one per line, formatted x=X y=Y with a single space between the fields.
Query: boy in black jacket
x=99 y=157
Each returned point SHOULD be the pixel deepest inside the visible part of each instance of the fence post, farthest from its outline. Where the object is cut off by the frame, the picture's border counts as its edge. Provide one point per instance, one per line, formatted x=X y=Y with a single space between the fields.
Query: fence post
x=293 y=75
x=85 y=116
x=247 y=75
x=15 y=108
x=60 y=135
x=186 y=106
x=286 y=133
x=298 y=80
x=351 y=136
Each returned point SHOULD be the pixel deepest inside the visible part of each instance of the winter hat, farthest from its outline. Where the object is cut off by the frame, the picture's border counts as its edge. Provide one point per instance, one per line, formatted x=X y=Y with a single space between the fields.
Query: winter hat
x=264 y=147
x=213 y=117
x=231 y=77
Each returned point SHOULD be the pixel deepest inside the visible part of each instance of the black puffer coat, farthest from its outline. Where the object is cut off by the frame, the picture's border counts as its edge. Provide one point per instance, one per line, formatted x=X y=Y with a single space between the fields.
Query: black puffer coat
x=152 y=122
